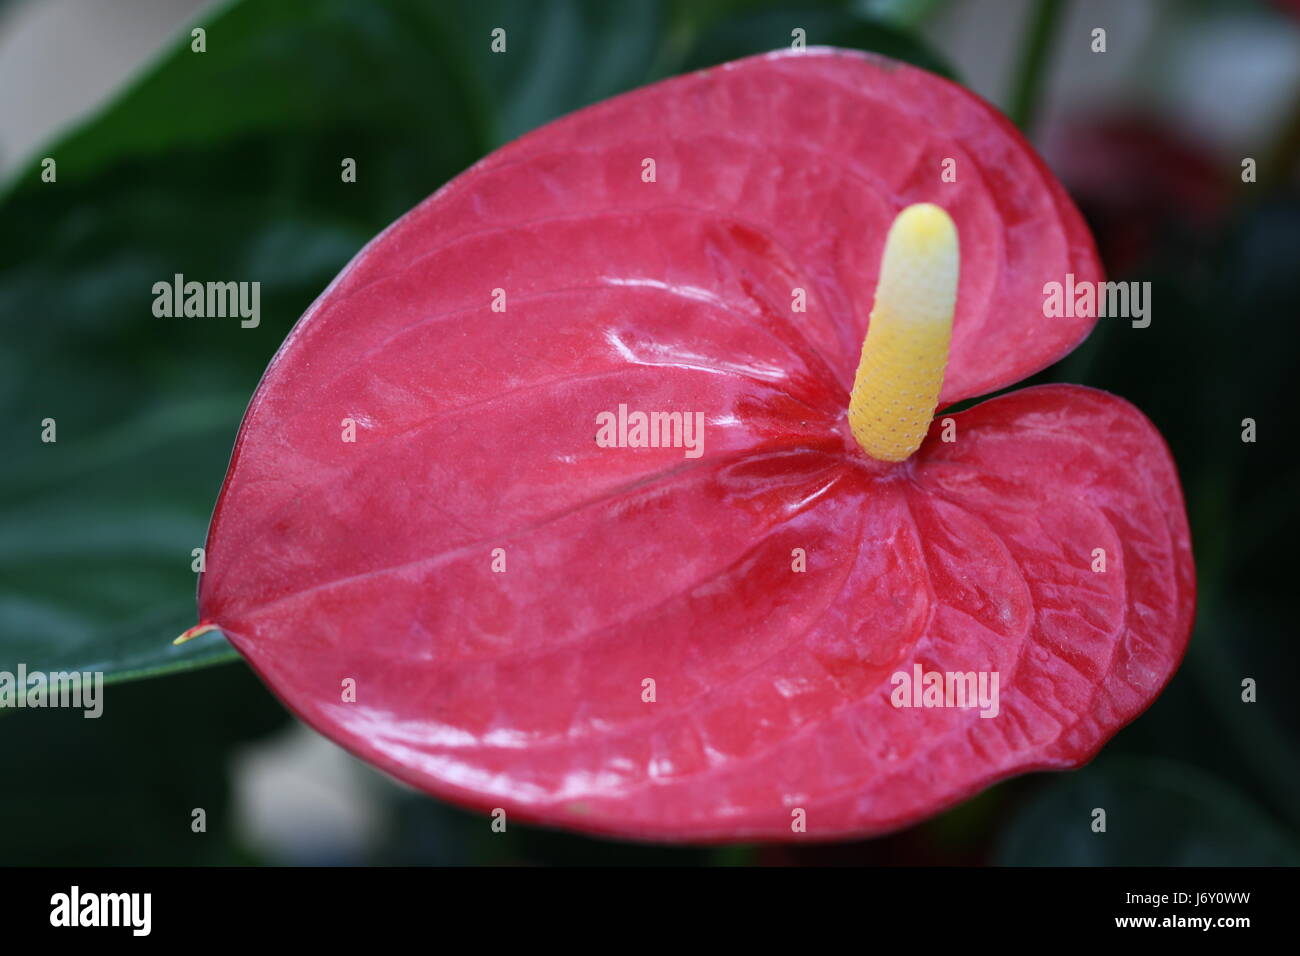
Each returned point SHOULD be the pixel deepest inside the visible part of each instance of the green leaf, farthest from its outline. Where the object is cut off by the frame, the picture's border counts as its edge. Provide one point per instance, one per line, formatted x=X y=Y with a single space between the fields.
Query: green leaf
x=1158 y=813
x=904 y=14
x=225 y=165
x=123 y=788
x=771 y=29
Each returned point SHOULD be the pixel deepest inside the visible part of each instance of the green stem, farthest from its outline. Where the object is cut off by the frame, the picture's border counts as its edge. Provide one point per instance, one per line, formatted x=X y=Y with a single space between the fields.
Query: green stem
x=1033 y=56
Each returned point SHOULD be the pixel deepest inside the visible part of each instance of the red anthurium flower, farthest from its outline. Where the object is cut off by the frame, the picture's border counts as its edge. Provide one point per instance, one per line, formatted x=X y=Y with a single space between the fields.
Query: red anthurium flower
x=585 y=491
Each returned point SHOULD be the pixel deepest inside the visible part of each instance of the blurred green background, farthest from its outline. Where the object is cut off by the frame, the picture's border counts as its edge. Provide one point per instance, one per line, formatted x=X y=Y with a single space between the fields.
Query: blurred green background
x=226 y=164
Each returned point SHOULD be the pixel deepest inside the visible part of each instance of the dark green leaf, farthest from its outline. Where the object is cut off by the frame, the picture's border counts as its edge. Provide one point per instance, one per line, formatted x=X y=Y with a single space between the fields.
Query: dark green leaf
x=225 y=165
x=772 y=29
x=1158 y=813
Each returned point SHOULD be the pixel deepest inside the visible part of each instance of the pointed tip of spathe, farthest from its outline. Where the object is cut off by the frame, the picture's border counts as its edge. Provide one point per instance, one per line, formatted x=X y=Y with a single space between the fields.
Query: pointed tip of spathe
x=198 y=630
